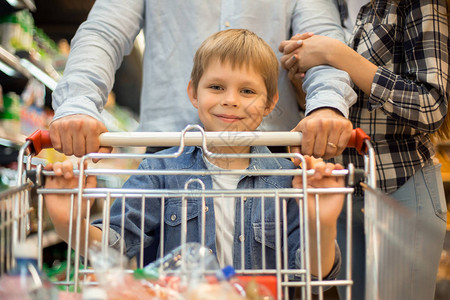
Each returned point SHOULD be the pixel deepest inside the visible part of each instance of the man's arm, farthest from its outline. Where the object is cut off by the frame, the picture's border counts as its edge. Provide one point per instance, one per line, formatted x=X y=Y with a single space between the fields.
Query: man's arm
x=329 y=93
x=96 y=53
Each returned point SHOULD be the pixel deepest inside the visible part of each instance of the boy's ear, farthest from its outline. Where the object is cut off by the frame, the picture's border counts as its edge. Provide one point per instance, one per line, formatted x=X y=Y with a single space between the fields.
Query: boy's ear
x=192 y=94
x=272 y=104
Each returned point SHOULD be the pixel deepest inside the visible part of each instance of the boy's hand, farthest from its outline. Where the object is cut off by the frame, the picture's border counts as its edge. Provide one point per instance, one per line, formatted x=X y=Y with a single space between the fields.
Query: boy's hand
x=330 y=205
x=58 y=205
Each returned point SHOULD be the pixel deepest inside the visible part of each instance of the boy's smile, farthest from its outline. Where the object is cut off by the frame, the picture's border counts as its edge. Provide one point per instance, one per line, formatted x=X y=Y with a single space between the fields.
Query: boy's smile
x=230 y=99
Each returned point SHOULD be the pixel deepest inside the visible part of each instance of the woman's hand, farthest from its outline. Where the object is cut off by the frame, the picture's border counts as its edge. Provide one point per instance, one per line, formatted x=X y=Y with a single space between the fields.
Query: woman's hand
x=290 y=49
x=299 y=55
x=303 y=52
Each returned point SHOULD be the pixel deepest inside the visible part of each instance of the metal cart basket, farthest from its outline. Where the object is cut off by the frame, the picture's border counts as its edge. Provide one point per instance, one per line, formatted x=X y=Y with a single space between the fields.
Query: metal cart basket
x=16 y=201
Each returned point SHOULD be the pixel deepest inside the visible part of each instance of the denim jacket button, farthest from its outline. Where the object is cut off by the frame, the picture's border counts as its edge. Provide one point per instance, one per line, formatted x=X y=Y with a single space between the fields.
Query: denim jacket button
x=173 y=217
x=244 y=198
x=242 y=238
x=210 y=251
x=206 y=208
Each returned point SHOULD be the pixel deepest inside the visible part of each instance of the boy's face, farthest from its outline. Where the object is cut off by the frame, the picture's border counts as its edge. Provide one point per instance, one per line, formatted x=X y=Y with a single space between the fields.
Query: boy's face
x=230 y=99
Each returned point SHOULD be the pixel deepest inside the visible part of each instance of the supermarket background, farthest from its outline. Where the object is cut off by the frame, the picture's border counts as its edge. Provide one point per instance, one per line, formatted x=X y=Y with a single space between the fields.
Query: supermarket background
x=34 y=45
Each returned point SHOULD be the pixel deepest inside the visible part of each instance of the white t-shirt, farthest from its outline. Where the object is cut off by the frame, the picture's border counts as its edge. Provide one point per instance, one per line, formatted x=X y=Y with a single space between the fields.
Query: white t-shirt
x=224 y=213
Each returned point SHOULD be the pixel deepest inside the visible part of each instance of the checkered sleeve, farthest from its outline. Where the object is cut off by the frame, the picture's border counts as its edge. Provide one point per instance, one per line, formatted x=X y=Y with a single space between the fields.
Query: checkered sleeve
x=417 y=95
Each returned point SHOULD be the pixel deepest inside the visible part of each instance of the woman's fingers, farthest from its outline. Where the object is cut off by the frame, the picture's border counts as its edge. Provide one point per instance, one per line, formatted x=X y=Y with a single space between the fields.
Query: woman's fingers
x=293 y=42
x=302 y=36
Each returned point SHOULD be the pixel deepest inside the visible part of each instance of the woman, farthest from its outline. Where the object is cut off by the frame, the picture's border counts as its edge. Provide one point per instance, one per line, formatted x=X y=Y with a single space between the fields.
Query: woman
x=398 y=59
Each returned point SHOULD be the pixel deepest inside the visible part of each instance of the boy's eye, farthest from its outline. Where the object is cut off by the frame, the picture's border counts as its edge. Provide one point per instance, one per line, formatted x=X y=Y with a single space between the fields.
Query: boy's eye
x=247 y=91
x=215 y=87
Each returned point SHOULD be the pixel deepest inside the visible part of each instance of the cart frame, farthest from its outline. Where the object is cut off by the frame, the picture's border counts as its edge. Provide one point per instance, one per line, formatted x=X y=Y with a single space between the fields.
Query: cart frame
x=199 y=138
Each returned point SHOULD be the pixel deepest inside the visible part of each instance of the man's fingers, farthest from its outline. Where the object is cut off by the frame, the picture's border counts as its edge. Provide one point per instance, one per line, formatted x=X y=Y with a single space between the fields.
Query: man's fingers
x=79 y=143
x=345 y=136
x=76 y=134
x=102 y=150
x=92 y=143
x=308 y=141
x=325 y=133
x=295 y=149
x=55 y=138
x=338 y=138
x=66 y=140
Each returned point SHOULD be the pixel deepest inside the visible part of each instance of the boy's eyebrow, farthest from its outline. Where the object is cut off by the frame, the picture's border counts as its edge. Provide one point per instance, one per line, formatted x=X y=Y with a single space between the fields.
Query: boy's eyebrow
x=218 y=78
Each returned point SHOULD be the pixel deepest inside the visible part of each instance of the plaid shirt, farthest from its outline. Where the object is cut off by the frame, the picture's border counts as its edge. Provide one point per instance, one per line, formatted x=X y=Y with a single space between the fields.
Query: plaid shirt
x=408 y=40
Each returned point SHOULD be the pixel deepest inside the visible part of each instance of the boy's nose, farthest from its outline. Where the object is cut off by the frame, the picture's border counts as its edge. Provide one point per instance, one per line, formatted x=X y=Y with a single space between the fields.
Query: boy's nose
x=231 y=99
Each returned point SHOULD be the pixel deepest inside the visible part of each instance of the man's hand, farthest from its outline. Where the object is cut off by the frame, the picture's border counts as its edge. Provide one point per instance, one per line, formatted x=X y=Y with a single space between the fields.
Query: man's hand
x=77 y=135
x=325 y=134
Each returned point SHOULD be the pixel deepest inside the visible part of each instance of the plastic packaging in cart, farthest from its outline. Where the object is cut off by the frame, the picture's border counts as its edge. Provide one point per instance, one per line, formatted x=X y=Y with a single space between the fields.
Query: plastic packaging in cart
x=193 y=271
x=25 y=280
x=189 y=272
x=113 y=282
x=250 y=289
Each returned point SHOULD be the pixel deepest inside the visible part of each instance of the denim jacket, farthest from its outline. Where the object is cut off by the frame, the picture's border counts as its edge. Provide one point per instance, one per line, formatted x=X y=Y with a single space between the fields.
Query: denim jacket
x=191 y=159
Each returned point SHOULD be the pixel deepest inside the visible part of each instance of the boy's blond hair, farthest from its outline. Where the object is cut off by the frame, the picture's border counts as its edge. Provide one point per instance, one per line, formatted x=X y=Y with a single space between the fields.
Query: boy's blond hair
x=240 y=48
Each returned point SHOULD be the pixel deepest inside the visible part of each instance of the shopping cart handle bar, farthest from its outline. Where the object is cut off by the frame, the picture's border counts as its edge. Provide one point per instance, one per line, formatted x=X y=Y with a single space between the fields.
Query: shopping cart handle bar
x=40 y=139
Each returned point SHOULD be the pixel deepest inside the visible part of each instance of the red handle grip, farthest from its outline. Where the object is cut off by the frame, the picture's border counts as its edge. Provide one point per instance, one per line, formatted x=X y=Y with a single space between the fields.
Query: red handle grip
x=357 y=140
x=40 y=139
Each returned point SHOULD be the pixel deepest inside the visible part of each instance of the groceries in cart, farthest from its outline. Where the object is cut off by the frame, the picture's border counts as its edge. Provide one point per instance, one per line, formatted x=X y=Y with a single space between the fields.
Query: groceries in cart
x=188 y=272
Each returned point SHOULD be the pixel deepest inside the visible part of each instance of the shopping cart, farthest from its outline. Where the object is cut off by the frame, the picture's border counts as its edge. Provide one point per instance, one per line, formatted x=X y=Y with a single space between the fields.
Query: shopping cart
x=283 y=285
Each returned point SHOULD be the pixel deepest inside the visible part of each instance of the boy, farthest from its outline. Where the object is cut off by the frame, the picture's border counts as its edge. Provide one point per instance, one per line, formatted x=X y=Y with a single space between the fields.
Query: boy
x=233 y=86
